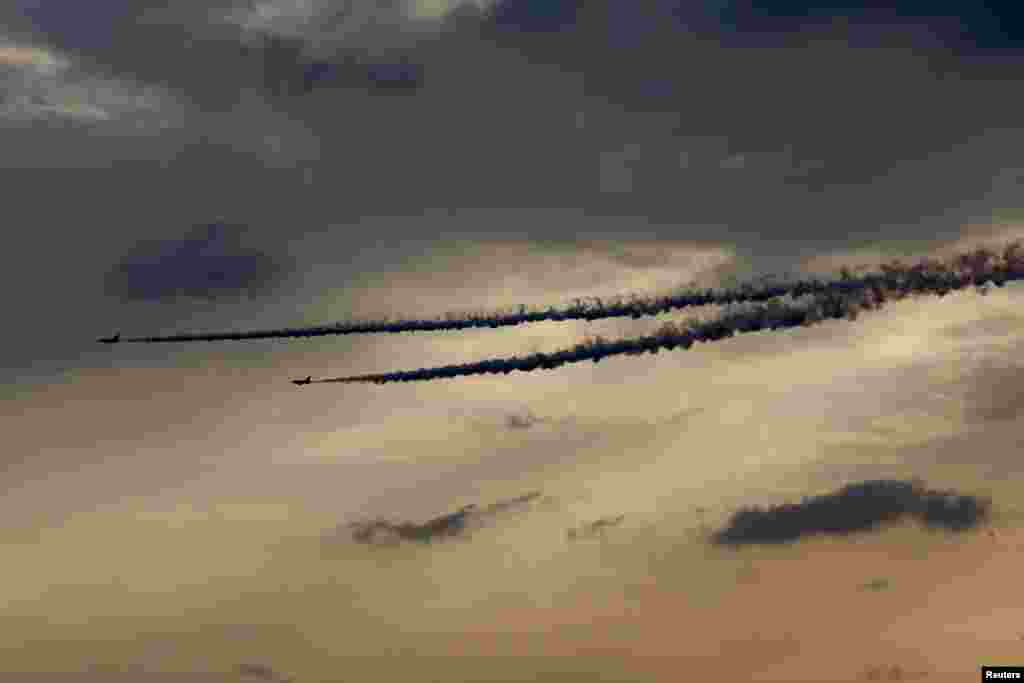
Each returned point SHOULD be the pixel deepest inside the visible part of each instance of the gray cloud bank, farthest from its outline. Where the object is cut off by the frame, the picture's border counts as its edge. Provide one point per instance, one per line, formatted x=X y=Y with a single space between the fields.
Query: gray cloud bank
x=549 y=113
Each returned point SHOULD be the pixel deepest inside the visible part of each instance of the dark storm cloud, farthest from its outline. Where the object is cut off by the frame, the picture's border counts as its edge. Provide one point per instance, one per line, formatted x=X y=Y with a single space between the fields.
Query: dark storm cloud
x=854 y=508
x=982 y=28
x=209 y=62
x=290 y=69
x=533 y=16
x=976 y=29
x=838 y=124
x=210 y=262
x=821 y=139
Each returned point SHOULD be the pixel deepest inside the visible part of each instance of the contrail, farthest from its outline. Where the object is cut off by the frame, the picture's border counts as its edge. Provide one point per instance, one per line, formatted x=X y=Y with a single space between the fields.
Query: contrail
x=981 y=264
x=896 y=283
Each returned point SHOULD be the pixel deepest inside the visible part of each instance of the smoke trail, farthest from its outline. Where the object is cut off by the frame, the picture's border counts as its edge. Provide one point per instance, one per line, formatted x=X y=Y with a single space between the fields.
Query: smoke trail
x=895 y=283
x=980 y=265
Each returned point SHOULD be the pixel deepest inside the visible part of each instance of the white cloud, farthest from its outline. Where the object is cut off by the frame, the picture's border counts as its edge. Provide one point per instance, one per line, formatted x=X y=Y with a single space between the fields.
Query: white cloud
x=41 y=84
x=283 y=16
x=436 y=9
x=360 y=24
x=31 y=59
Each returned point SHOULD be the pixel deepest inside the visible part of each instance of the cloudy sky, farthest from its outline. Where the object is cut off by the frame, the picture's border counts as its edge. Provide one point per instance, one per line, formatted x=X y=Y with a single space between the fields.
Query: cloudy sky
x=171 y=167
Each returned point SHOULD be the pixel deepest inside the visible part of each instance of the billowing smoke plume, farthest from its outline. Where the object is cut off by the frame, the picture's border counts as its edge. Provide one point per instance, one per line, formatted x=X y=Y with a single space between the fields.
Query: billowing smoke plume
x=846 y=301
x=976 y=267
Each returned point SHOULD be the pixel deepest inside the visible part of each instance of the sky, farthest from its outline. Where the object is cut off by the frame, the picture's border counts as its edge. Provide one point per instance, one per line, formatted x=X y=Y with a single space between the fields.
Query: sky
x=265 y=164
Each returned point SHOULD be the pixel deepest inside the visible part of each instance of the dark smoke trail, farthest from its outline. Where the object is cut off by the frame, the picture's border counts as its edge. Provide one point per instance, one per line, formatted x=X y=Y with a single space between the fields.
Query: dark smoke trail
x=578 y=311
x=980 y=265
x=599 y=310
x=897 y=283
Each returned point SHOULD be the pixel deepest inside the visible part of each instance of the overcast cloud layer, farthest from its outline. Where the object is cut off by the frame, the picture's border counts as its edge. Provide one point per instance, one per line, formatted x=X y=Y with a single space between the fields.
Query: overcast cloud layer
x=174 y=167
